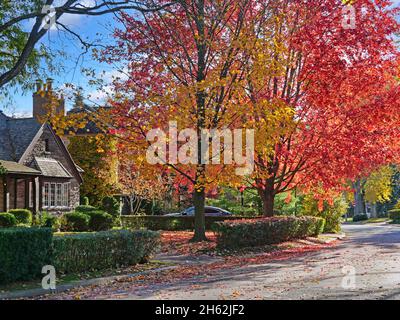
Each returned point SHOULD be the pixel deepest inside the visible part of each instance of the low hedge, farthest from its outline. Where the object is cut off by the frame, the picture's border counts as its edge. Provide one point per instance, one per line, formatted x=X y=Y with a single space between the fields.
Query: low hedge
x=360 y=217
x=23 y=253
x=23 y=216
x=167 y=223
x=265 y=231
x=76 y=221
x=102 y=250
x=100 y=221
x=7 y=220
x=394 y=215
x=85 y=209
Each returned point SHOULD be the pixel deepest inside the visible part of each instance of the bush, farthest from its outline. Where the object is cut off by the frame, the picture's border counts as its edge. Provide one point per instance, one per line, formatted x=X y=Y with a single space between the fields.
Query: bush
x=7 y=220
x=100 y=221
x=23 y=253
x=85 y=201
x=49 y=221
x=265 y=231
x=168 y=223
x=76 y=221
x=332 y=213
x=395 y=215
x=112 y=206
x=102 y=250
x=23 y=216
x=85 y=209
x=360 y=217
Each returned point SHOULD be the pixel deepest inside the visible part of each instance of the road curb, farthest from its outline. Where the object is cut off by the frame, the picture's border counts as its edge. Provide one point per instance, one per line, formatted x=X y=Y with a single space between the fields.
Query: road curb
x=31 y=293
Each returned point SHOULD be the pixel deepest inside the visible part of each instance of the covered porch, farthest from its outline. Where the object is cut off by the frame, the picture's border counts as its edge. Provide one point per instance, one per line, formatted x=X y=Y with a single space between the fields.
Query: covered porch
x=19 y=187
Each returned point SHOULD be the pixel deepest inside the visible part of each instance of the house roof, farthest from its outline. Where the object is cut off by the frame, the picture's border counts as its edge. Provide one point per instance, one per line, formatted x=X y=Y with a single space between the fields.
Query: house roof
x=52 y=168
x=16 y=134
x=14 y=167
x=91 y=127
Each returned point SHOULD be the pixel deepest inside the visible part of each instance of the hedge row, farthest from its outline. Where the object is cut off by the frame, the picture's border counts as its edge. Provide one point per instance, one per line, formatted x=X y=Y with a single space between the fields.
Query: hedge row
x=167 y=223
x=24 y=251
x=14 y=217
x=103 y=250
x=91 y=220
x=395 y=215
x=266 y=231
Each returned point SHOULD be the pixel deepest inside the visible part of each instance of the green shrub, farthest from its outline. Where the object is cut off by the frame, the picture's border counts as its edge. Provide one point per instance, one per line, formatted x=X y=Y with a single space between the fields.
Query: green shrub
x=112 y=206
x=169 y=223
x=85 y=201
x=76 y=221
x=332 y=213
x=23 y=216
x=85 y=209
x=7 y=220
x=394 y=215
x=265 y=231
x=23 y=253
x=50 y=221
x=100 y=221
x=360 y=217
x=102 y=250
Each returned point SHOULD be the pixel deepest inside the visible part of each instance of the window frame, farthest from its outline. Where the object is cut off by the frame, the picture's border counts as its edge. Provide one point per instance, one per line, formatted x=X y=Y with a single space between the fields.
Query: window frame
x=56 y=195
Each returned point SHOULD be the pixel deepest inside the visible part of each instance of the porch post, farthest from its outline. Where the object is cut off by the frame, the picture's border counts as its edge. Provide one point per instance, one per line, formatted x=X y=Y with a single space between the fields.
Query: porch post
x=6 y=194
x=26 y=193
x=15 y=192
x=35 y=184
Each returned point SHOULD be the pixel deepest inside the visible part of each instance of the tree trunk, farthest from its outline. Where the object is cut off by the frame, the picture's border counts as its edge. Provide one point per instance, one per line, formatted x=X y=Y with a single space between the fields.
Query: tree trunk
x=268 y=198
x=374 y=210
x=199 y=200
x=359 y=205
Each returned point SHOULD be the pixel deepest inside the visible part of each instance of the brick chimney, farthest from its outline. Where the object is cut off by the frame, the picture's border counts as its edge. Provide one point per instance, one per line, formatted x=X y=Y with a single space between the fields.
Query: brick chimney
x=46 y=102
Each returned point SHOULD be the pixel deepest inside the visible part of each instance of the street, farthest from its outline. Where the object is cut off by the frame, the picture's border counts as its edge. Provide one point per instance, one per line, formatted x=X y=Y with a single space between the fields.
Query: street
x=371 y=251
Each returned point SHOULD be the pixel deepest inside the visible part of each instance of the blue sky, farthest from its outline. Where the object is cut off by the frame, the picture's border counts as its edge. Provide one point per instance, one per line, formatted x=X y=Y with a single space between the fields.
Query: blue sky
x=88 y=28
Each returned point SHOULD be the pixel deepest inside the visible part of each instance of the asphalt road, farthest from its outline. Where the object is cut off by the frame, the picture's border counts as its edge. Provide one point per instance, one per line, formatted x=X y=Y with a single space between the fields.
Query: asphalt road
x=366 y=265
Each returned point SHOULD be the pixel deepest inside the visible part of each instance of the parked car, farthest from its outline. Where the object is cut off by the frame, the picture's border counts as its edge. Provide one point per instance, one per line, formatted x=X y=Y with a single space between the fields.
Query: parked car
x=209 y=212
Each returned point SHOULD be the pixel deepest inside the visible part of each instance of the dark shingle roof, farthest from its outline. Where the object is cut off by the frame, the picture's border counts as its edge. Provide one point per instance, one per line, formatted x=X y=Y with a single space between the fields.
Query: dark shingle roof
x=91 y=127
x=15 y=136
x=13 y=167
x=52 y=168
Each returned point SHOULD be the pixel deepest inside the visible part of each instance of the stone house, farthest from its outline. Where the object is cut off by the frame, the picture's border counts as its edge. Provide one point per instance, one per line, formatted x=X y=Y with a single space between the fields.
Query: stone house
x=40 y=173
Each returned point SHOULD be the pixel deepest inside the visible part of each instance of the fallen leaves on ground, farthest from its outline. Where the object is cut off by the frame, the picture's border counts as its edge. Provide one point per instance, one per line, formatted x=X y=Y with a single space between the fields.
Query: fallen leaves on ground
x=178 y=242
x=196 y=275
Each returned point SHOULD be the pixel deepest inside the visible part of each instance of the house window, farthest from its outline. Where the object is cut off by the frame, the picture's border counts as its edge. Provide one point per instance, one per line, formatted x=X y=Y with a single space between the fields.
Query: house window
x=56 y=194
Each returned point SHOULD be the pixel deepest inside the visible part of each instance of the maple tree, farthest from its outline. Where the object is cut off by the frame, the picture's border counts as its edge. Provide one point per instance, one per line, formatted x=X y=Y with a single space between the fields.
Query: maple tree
x=184 y=65
x=339 y=89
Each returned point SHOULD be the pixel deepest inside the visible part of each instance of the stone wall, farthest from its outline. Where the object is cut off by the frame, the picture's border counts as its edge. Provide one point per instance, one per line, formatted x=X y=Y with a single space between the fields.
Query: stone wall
x=55 y=152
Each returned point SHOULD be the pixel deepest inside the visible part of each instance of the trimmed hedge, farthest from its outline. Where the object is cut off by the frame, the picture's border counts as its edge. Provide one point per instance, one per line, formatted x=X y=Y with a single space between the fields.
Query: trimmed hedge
x=360 y=217
x=266 y=231
x=394 y=215
x=102 y=250
x=100 y=221
x=7 y=220
x=50 y=221
x=167 y=223
x=76 y=221
x=23 y=216
x=85 y=209
x=23 y=253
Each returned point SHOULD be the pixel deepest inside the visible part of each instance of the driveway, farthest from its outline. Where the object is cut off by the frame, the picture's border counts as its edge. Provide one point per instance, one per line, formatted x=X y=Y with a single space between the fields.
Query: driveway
x=370 y=257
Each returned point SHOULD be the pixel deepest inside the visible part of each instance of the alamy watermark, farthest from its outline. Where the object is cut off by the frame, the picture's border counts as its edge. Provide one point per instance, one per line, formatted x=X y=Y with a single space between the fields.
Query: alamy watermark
x=205 y=147
x=49 y=19
x=349 y=280
x=49 y=280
